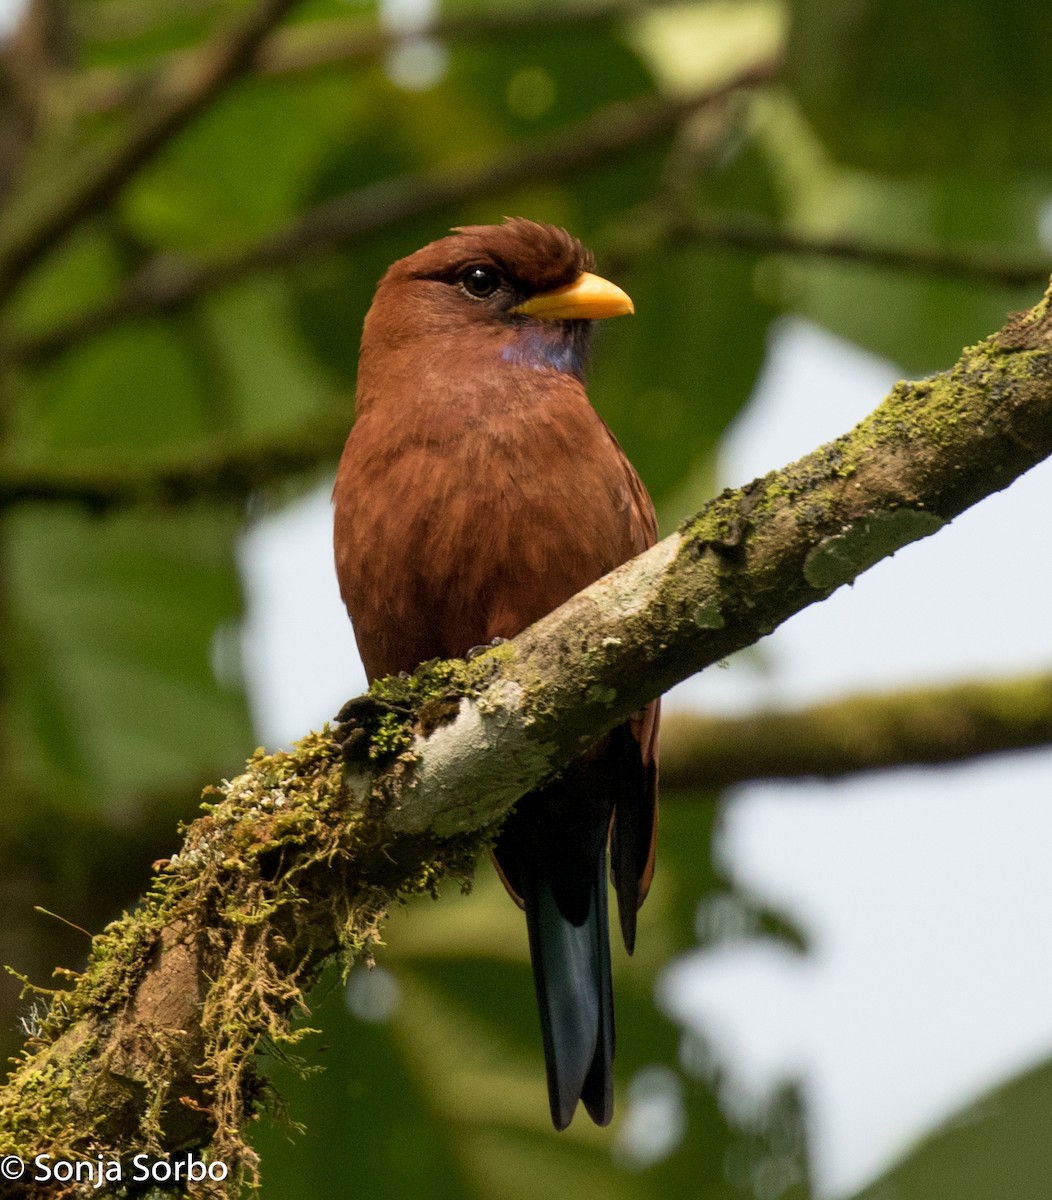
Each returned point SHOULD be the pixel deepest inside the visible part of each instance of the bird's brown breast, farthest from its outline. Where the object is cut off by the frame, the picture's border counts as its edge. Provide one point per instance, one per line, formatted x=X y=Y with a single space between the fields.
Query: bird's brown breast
x=461 y=518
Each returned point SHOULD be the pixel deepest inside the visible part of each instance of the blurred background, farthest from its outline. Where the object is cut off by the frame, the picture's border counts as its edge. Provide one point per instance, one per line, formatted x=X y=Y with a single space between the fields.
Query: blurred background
x=841 y=987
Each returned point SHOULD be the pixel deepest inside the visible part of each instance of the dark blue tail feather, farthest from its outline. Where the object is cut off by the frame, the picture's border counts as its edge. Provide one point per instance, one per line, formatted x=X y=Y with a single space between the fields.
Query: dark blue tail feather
x=552 y=854
x=572 y=977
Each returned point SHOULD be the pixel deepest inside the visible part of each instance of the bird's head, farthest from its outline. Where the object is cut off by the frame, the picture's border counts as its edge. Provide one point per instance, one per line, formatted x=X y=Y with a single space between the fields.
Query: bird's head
x=523 y=290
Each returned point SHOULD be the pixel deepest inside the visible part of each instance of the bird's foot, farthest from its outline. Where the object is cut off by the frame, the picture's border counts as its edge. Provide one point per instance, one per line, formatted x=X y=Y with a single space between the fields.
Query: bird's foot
x=360 y=718
x=363 y=708
x=475 y=651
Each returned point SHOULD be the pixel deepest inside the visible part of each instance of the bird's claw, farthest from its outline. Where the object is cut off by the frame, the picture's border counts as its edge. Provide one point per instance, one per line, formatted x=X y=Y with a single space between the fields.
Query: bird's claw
x=354 y=718
x=361 y=708
x=475 y=651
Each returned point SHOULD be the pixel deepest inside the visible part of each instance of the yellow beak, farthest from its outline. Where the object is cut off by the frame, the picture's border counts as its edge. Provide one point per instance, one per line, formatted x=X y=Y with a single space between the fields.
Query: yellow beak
x=589 y=297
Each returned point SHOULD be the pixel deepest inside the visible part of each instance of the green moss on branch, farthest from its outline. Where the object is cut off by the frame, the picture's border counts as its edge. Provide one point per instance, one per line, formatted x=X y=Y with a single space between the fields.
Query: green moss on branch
x=155 y=1046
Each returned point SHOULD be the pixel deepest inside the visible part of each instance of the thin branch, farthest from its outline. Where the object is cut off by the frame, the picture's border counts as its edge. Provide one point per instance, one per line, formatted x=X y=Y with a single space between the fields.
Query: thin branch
x=165 y=285
x=31 y=56
x=179 y=95
x=218 y=474
x=313 y=45
x=744 y=231
x=929 y=726
x=153 y=1048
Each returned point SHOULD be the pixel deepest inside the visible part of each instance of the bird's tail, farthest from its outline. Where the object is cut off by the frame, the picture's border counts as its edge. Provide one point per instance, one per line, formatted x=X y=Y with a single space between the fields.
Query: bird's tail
x=552 y=856
x=572 y=977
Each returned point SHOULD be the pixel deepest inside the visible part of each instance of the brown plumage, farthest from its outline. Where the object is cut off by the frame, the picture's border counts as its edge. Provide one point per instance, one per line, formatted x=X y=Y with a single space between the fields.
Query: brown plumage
x=479 y=490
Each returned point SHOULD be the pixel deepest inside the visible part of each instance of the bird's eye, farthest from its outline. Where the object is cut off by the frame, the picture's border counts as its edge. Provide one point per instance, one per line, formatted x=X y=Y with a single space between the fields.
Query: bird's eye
x=480 y=282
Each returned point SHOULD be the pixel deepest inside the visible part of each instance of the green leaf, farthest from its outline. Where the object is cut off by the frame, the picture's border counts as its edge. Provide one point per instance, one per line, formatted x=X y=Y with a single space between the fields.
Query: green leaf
x=135 y=389
x=124 y=32
x=82 y=274
x=260 y=364
x=900 y=87
x=916 y=320
x=118 y=621
x=244 y=166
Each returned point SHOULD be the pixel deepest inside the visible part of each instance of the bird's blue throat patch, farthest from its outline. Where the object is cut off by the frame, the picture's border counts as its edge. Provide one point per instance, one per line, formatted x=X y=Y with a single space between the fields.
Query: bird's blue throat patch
x=562 y=346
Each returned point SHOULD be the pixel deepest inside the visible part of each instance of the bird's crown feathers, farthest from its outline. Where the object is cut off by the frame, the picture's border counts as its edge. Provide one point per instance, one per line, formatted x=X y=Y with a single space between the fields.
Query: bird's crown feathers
x=534 y=256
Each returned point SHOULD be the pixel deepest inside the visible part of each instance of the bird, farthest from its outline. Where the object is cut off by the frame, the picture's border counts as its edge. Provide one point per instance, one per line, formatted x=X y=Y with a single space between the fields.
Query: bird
x=478 y=490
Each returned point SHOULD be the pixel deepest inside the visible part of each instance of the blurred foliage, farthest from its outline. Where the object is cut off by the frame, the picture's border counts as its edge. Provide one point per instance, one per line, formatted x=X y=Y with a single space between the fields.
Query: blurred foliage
x=923 y=90
x=120 y=686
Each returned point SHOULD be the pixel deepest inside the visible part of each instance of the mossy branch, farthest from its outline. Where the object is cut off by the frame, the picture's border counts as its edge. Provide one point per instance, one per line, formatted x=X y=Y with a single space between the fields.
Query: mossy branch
x=154 y=1048
x=924 y=726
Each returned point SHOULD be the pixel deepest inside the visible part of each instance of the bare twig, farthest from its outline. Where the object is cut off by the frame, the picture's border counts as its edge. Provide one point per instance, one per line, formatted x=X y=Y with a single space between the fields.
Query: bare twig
x=176 y=99
x=927 y=726
x=30 y=57
x=744 y=231
x=165 y=285
x=221 y=474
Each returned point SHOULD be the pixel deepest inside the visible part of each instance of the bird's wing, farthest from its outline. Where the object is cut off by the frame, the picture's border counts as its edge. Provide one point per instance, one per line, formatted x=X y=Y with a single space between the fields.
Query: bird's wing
x=633 y=831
